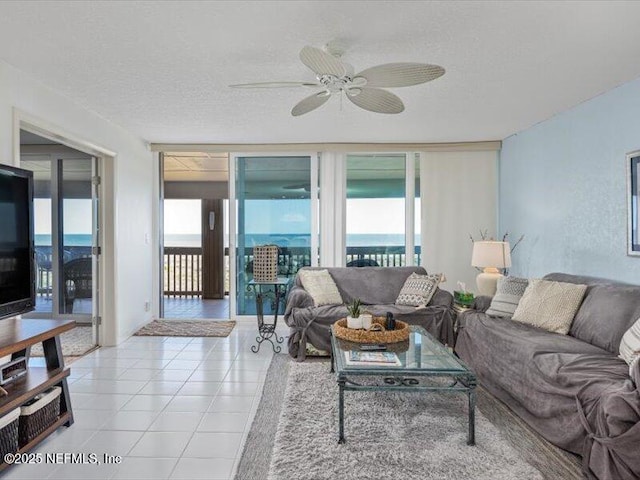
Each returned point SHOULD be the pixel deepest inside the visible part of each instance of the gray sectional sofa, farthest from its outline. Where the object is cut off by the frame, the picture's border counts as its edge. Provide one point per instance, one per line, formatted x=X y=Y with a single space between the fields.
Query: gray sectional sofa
x=572 y=389
x=377 y=288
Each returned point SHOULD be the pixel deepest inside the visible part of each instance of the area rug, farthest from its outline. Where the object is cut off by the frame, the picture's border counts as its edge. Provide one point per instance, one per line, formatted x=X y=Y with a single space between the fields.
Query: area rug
x=409 y=436
x=75 y=343
x=187 y=328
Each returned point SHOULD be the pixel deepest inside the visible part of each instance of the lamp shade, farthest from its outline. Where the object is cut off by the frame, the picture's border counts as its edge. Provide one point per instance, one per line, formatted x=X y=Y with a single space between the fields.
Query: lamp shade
x=491 y=254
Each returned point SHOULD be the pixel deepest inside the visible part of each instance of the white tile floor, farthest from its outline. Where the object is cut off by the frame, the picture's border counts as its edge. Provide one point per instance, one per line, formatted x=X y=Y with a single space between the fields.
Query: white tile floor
x=173 y=408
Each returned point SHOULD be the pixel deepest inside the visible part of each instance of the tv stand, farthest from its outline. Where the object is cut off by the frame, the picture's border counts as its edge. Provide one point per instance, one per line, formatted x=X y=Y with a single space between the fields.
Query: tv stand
x=16 y=338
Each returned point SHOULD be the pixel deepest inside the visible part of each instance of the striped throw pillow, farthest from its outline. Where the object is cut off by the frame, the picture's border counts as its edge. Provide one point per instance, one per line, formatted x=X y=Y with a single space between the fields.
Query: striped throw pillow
x=507 y=297
x=630 y=343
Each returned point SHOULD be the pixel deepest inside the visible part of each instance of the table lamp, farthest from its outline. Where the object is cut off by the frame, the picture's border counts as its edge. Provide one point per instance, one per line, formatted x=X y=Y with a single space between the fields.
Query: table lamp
x=490 y=255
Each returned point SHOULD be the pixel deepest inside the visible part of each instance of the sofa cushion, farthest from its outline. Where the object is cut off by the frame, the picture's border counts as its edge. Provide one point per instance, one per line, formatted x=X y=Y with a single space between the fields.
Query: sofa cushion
x=507 y=297
x=418 y=290
x=550 y=305
x=630 y=343
x=320 y=285
x=607 y=312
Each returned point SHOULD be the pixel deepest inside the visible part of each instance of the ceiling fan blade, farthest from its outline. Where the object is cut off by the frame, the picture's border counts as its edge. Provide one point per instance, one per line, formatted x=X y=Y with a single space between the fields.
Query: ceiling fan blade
x=400 y=74
x=275 y=85
x=301 y=186
x=377 y=100
x=321 y=62
x=310 y=103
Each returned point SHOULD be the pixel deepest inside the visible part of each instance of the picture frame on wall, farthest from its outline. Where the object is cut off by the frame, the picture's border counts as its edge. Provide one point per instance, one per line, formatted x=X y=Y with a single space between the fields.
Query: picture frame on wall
x=633 y=199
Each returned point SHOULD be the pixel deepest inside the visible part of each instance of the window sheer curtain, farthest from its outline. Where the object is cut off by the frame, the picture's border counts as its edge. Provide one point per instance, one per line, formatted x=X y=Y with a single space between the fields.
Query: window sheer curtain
x=459 y=193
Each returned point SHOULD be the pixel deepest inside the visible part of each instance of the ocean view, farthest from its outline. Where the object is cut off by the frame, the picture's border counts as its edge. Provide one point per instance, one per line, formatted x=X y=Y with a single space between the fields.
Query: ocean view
x=293 y=240
x=73 y=240
x=281 y=239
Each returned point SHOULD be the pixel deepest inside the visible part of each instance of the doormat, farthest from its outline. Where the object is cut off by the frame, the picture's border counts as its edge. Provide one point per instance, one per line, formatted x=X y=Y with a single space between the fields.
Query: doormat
x=75 y=343
x=186 y=328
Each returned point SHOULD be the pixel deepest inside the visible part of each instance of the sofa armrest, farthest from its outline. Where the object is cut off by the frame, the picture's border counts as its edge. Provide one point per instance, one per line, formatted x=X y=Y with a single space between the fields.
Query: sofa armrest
x=481 y=303
x=441 y=298
x=298 y=297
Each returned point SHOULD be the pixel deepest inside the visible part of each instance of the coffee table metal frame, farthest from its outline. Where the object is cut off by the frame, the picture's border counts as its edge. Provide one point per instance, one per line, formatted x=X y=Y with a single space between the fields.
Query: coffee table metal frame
x=402 y=379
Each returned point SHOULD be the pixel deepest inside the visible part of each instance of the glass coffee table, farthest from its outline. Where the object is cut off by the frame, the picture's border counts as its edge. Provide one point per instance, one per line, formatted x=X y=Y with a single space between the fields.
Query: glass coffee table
x=418 y=362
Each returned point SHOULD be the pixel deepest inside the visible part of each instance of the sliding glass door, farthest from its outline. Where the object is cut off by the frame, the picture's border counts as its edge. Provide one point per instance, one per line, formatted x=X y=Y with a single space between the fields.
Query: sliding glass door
x=375 y=210
x=275 y=204
x=66 y=234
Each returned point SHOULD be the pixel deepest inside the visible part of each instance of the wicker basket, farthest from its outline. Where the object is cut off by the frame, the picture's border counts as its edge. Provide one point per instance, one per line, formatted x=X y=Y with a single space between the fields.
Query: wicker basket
x=9 y=433
x=38 y=414
x=265 y=263
x=400 y=333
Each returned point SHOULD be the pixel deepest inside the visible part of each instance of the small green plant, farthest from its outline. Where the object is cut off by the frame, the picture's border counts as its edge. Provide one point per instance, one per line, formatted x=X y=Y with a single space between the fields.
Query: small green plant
x=354 y=308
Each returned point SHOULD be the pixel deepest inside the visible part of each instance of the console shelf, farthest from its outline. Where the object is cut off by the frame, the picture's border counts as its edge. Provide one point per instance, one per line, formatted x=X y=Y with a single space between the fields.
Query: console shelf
x=37 y=380
x=16 y=338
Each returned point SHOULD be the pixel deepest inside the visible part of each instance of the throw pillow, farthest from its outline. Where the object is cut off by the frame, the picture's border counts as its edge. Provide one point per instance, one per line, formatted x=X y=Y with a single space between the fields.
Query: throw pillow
x=418 y=290
x=507 y=297
x=633 y=371
x=630 y=343
x=320 y=285
x=550 y=305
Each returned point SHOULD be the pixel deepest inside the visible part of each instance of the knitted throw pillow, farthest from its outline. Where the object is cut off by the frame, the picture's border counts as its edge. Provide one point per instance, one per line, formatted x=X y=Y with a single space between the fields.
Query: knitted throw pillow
x=418 y=290
x=320 y=285
x=550 y=305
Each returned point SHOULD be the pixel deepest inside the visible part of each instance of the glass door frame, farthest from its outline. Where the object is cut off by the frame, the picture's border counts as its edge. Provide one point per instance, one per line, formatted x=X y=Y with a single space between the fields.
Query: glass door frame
x=57 y=232
x=233 y=216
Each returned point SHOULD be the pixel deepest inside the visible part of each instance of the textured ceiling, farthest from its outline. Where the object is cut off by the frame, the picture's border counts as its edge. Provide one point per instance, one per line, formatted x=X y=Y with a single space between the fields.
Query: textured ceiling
x=161 y=69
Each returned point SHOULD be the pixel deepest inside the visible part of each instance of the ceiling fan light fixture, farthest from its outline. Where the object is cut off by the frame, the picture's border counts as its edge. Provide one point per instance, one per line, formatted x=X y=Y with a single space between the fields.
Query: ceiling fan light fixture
x=353 y=91
x=359 y=81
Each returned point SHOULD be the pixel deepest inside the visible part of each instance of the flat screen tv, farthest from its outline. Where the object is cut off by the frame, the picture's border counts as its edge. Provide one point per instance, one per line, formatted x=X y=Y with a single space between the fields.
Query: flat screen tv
x=17 y=269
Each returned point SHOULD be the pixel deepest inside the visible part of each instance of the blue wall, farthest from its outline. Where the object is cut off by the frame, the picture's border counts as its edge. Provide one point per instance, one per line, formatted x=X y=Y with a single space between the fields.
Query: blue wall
x=563 y=185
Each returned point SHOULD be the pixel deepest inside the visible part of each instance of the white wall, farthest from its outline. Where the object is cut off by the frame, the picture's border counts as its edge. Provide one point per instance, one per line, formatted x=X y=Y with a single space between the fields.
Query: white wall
x=132 y=183
x=563 y=185
x=458 y=195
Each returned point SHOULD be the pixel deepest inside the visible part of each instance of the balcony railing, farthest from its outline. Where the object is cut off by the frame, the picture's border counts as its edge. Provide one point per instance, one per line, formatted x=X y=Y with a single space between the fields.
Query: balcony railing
x=183 y=271
x=382 y=256
x=183 y=265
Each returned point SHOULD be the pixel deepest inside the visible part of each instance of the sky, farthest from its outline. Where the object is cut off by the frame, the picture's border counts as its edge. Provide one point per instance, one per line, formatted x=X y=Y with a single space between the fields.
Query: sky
x=77 y=216
x=373 y=215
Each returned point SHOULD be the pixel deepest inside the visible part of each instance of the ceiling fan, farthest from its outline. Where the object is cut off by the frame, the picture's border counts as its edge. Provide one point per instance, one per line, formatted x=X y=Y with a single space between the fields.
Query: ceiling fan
x=364 y=89
x=300 y=186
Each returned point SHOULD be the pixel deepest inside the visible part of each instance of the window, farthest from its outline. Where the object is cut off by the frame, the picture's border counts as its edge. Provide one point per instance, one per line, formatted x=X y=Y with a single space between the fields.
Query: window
x=375 y=210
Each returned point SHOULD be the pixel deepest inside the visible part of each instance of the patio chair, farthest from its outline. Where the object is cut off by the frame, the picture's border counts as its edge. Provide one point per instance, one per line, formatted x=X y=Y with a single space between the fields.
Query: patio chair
x=78 y=276
x=363 y=262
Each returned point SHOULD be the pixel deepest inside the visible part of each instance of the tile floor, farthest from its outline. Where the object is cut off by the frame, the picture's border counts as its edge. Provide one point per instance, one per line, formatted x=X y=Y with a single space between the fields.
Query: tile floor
x=195 y=308
x=173 y=408
x=174 y=307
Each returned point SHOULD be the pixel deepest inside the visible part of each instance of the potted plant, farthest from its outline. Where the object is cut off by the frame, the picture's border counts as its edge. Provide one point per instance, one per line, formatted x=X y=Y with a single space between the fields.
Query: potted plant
x=353 y=317
x=463 y=296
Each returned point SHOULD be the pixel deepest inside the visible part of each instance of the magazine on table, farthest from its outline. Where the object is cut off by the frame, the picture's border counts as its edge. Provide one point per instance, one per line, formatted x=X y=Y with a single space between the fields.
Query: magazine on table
x=387 y=359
